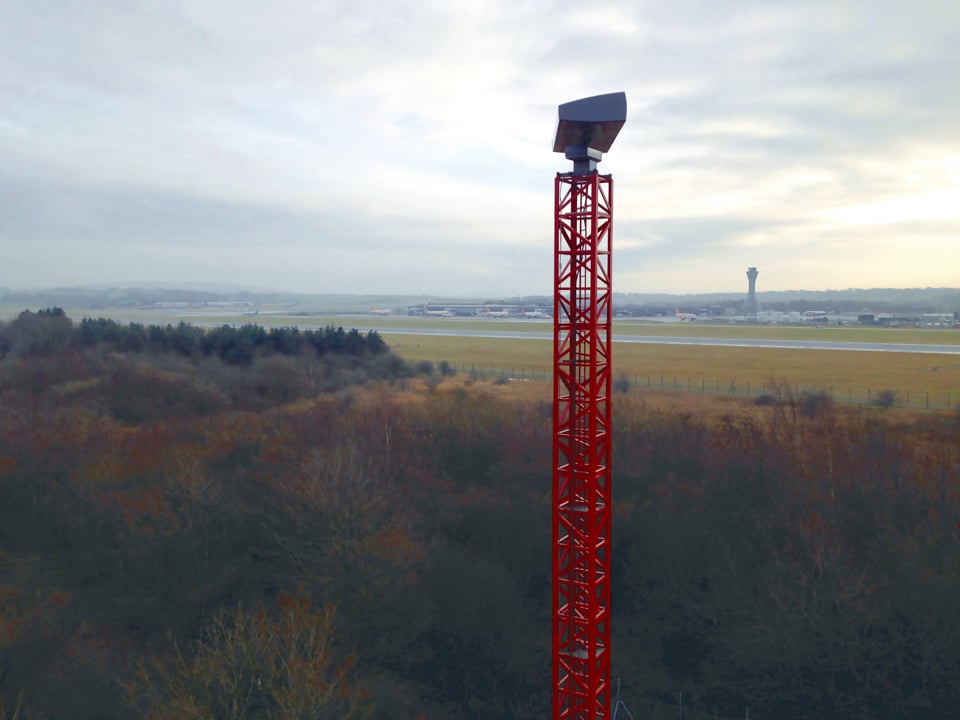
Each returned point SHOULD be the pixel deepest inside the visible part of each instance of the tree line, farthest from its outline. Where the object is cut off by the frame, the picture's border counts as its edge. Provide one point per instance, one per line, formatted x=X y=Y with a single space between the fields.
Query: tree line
x=50 y=331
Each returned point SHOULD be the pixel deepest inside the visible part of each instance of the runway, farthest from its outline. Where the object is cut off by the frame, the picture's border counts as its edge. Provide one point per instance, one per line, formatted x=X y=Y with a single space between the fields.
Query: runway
x=265 y=321
x=702 y=341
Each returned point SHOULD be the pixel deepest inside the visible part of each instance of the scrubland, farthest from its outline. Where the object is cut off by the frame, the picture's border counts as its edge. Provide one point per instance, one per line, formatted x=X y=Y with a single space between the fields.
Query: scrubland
x=269 y=527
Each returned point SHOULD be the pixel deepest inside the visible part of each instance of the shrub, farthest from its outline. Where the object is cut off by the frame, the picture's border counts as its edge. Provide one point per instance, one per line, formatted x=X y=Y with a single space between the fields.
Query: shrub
x=885 y=398
x=388 y=366
x=622 y=383
x=815 y=403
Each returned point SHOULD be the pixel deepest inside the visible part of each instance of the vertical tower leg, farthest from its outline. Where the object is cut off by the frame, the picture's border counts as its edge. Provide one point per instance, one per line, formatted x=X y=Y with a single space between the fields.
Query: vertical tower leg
x=581 y=446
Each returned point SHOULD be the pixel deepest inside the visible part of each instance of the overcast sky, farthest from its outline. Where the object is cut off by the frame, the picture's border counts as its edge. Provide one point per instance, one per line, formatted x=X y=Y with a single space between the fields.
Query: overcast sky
x=405 y=146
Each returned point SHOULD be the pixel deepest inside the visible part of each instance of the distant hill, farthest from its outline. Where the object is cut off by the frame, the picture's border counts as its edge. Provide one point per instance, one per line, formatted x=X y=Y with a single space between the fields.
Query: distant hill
x=848 y=300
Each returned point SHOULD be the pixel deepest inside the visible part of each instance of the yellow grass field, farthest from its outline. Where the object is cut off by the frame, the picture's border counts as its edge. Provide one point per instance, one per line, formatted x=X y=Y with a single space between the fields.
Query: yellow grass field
x=917 y=379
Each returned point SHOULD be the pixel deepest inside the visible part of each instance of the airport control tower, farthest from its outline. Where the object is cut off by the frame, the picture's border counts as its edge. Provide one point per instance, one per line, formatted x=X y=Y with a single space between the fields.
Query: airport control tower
x=750 y=305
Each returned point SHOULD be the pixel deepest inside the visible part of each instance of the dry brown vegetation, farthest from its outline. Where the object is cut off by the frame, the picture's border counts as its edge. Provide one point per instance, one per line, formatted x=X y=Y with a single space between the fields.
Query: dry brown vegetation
x=182 y=536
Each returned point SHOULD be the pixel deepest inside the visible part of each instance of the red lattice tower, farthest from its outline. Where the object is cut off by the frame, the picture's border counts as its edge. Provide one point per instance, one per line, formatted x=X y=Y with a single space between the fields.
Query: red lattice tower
x=583 y=216
x=581 y=447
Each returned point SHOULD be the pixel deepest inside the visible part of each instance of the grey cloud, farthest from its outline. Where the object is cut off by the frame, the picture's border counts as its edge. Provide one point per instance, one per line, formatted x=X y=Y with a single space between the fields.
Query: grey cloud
x=117 y=216
x=136 y=232
x=303 y=132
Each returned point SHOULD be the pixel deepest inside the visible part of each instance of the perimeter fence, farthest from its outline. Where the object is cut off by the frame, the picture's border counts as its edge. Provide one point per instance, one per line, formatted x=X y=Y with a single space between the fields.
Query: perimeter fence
x=760 y=392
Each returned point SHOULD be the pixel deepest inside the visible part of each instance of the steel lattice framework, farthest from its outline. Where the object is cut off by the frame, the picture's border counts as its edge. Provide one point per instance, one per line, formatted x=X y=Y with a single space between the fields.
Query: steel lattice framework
x=581 y=446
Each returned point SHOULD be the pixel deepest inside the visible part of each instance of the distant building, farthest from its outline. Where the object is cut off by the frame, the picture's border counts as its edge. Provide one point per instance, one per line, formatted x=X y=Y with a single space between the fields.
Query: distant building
x=750 y=305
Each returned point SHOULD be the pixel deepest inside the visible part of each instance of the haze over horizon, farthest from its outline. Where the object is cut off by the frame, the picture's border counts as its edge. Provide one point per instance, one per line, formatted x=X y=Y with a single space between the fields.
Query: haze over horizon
x=405 y=148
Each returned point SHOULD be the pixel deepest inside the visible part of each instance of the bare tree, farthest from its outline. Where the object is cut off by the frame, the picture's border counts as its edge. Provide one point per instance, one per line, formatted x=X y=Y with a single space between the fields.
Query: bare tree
x=253 y=664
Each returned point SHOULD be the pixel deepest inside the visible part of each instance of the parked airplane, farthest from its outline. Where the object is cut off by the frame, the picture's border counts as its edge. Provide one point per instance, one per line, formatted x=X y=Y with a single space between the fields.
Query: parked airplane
x=381 y=311
x=496 y=313
x=438 y=313
x=534 y=314
x=684 y=317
